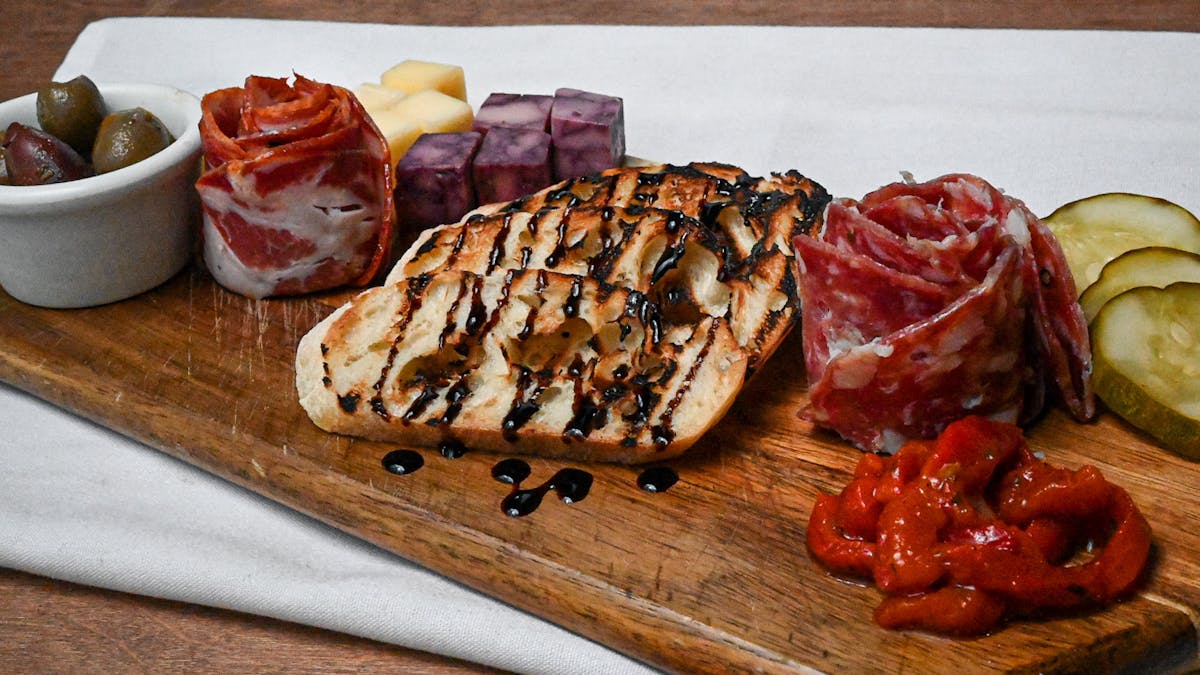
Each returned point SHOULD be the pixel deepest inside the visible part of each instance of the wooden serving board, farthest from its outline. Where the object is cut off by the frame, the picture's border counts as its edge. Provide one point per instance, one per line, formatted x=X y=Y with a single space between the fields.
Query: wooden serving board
x=711 y=575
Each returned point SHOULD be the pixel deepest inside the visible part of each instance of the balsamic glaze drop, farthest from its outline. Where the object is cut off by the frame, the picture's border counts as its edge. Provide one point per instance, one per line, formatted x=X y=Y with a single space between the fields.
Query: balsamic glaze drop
x=571 y=485
x=452 y=449
x=657 y=479
x=403 y=462
x=511 y=471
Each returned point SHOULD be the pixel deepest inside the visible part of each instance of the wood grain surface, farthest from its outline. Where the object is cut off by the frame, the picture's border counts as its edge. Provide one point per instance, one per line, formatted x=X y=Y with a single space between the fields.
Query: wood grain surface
x=709 y=575
x=737 y=579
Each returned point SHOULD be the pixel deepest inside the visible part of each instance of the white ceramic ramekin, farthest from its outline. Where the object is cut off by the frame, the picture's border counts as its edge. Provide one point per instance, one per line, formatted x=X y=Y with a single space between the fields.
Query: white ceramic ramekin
x=109 y=237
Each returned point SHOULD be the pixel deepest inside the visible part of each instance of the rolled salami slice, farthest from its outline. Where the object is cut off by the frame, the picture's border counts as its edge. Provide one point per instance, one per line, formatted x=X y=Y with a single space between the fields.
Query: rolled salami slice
x=297 y=188
x=924 y=303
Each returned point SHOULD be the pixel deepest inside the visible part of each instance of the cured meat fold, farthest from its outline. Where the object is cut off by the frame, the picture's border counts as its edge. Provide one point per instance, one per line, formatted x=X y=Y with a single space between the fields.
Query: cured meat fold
x=924 y=303
x=297 y=188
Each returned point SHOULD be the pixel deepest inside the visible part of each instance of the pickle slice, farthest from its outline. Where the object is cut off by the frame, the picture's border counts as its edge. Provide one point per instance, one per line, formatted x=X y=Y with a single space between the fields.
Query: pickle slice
x=1094 y=230
x=1155 y=266
x=1146 y=350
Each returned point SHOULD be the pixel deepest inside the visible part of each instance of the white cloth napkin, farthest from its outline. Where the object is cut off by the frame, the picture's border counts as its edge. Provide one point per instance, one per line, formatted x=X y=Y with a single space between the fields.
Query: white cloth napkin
x=1047 y=116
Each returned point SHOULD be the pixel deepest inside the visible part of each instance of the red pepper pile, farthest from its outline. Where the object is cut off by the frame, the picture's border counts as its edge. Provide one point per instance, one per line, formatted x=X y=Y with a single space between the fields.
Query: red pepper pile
x=972 y=528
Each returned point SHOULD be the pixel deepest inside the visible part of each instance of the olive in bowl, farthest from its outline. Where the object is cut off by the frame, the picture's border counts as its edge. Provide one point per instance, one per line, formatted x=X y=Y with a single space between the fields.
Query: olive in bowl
x=109 y=236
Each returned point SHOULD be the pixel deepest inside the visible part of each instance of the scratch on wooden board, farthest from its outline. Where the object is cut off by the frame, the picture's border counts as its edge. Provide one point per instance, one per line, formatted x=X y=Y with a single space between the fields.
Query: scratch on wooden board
x=258 y=468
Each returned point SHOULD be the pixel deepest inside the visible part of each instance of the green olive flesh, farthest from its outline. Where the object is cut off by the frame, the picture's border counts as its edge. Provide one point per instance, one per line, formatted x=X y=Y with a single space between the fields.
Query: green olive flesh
x=71 y=111
x=127 y=137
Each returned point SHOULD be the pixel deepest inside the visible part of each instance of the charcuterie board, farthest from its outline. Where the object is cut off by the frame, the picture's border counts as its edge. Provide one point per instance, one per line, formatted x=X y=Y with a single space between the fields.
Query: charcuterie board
x=709 y=575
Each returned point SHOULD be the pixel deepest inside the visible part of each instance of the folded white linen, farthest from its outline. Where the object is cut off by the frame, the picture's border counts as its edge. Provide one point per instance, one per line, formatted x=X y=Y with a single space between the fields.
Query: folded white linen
x=81 y=503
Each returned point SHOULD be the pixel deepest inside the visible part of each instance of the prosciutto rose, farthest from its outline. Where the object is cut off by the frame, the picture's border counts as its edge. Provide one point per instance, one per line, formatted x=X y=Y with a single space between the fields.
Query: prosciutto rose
x=925 y=303
x=297 y=188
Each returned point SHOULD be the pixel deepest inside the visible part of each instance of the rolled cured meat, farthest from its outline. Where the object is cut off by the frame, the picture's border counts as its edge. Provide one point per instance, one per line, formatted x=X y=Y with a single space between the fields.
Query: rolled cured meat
x=297 y=188
x=924 y=303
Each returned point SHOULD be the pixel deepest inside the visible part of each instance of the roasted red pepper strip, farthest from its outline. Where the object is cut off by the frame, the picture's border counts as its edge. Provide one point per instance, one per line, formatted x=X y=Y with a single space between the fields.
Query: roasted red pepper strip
x=973 y=528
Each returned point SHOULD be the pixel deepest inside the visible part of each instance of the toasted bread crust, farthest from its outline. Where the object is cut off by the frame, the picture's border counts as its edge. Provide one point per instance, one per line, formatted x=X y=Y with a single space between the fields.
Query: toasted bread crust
x=608 y=318
x=547 y=363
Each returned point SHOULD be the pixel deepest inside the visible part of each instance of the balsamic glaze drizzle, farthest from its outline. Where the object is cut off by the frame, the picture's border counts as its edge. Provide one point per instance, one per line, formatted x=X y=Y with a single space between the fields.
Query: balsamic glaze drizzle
x=657 y=479
x=571 y=485
x=403 y=462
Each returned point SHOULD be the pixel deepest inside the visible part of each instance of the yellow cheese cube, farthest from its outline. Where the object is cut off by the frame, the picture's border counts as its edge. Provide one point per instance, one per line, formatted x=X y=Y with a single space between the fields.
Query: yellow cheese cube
x=413 y=76
x=375 y=97
x=436 y=112
x=400 y=130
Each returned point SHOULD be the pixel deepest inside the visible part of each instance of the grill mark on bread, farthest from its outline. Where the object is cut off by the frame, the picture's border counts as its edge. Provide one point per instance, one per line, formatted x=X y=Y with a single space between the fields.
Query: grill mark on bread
x=523 y=408
x=606 y=232
x=498 y=251
x=662 y=433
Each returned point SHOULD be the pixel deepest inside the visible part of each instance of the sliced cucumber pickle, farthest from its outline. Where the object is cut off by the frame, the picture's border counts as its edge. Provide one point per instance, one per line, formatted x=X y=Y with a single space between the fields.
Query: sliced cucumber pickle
x=1146 y=351
x=1095 y=230
x=1155 y=266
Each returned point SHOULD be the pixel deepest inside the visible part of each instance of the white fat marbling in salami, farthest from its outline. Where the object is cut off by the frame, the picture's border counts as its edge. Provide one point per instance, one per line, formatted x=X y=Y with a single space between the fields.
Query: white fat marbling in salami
x=923 y=303
x=297 y=188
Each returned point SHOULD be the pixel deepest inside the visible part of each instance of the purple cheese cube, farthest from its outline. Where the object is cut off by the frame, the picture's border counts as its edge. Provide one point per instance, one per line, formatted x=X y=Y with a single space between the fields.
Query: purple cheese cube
x=512 y=163
x=518 y=111
x=433 y=180
x=588 y=132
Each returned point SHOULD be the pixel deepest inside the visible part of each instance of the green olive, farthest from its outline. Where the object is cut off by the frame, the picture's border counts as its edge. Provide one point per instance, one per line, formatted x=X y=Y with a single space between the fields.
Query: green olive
x=71 y=111
x=127 y=137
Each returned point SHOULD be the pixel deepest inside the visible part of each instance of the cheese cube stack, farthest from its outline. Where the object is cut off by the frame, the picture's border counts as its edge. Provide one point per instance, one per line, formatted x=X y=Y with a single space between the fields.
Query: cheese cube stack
x=413 y=76
x=436 y=112
x=414 y=98
x=375 y=97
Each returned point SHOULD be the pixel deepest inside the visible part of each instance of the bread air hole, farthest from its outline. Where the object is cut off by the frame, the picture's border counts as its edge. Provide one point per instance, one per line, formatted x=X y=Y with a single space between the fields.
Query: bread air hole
x=554 y=350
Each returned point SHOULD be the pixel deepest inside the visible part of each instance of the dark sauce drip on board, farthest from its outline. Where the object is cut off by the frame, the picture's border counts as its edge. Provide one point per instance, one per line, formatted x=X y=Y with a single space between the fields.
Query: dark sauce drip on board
x=452 y=449
x=403 y=462
x=571 y=485
x=657 y=479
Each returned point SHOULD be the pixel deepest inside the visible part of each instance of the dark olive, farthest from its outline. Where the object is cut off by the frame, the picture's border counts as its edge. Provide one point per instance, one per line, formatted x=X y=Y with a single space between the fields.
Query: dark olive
x=71 y=111
x=34 y=157
x=127 y=137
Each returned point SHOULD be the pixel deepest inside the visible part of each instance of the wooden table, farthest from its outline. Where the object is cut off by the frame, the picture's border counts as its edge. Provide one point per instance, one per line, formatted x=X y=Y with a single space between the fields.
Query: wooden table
x=51 y=625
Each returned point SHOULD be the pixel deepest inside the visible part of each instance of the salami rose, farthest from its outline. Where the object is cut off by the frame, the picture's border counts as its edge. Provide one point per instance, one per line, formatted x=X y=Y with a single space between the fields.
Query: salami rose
x=297 y=188
x=925 y=303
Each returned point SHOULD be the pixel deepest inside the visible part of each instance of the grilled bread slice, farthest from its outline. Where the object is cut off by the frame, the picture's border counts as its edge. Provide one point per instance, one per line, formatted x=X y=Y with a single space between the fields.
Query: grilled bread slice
x=609 y=318
x=666 y=255
x=526 y=360
x=702 y=239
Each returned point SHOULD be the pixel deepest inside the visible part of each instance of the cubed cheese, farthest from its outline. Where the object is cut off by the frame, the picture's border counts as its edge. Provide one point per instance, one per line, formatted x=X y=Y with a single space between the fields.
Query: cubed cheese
x=518 y=111
x=588 y=131
x=511 y=163
x=433 y=180
x=375 y=97
x=400 y=130
x=436 y=112
x=413 y=76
